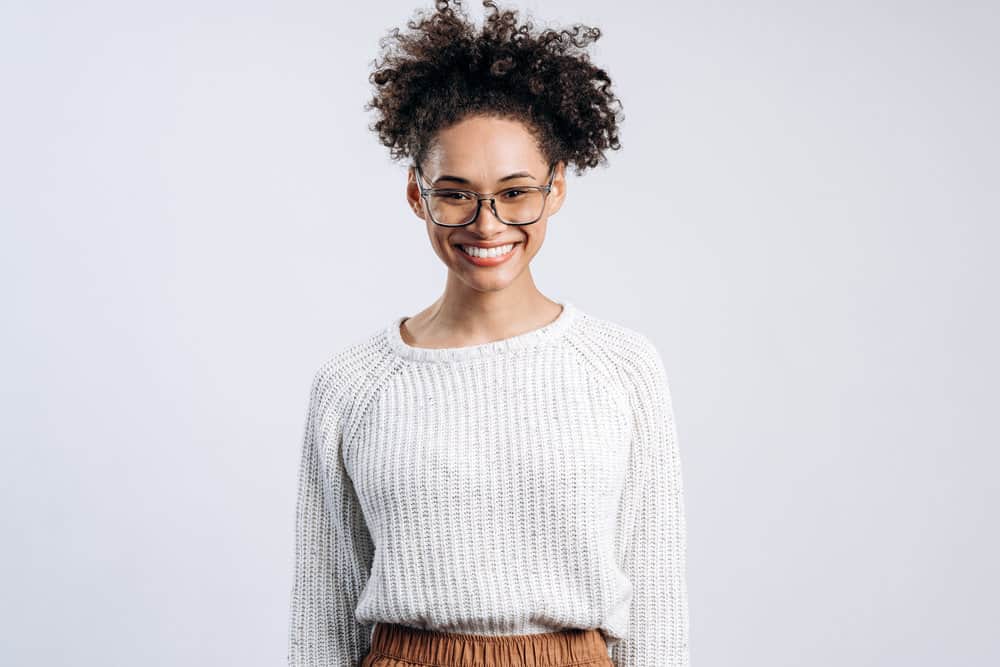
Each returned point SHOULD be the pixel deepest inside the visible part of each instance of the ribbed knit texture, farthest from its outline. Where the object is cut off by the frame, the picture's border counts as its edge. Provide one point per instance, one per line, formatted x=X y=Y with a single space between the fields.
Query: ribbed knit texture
x=518 y=486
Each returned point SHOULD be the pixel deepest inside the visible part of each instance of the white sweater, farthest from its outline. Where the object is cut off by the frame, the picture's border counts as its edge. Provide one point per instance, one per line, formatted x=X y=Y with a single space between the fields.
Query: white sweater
x=523 y=485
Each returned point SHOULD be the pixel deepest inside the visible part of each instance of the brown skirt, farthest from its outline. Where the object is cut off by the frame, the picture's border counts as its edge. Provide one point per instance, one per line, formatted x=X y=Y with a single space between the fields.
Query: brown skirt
x=402 y=646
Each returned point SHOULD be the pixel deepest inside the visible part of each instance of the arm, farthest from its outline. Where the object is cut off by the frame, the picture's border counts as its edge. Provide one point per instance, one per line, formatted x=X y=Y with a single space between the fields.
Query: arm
x=333 y=549
x=653 y=522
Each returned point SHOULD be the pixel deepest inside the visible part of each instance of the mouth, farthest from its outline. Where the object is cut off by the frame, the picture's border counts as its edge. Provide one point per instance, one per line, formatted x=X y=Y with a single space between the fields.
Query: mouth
x=487 y=256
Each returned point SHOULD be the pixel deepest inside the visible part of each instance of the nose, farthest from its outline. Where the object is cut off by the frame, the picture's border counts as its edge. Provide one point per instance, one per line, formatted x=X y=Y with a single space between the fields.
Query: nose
x=485 y=222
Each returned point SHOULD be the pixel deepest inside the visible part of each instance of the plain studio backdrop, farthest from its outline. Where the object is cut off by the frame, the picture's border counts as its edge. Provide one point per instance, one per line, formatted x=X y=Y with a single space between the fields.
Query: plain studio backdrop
x=803 y=217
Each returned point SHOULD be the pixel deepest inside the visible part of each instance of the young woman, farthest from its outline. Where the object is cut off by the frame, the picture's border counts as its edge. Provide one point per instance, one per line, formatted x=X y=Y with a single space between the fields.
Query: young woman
x=495 y=480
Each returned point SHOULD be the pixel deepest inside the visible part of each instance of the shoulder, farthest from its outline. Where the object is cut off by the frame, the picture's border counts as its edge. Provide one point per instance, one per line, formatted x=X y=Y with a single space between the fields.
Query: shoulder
x=352 y=370
x=627 y=355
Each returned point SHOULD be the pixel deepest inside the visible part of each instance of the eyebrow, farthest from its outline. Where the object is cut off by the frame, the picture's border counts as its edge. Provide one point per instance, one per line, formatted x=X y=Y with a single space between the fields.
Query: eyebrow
x=465 y=181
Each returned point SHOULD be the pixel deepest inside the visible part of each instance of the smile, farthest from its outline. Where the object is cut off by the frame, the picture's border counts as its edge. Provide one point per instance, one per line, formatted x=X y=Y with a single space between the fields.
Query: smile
x=484 y=257
x=496 y=251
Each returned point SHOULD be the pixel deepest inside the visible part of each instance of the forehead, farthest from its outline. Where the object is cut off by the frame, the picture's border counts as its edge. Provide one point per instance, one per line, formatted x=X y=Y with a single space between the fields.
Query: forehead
x=483 y=150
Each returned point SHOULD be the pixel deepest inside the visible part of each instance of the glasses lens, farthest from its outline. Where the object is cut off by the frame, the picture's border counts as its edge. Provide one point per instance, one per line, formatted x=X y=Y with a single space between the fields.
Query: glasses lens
x=451 y=208
x=515 y=205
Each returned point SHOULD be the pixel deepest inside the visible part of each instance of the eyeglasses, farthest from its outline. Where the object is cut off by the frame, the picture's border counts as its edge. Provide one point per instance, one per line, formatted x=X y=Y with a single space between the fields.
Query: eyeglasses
x=518 y=205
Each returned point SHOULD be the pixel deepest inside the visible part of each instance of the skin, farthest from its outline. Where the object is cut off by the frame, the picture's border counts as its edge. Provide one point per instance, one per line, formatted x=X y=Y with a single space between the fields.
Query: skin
x=484 y=303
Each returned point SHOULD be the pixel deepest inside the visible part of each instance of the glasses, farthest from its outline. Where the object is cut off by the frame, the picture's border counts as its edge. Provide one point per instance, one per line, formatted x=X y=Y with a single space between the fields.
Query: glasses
x=518 y=205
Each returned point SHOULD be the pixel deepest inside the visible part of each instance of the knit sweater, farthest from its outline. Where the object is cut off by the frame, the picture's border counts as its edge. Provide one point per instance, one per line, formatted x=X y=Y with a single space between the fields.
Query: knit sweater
x=518 y=486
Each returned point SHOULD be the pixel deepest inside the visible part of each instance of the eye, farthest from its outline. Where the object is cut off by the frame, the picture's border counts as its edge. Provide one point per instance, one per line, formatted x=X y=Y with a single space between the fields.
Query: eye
x=457 y=195
x=513 y=194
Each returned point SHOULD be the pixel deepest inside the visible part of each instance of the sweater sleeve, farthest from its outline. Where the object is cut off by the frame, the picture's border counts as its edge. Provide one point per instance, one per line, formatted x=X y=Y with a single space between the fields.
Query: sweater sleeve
x=333 y=549
x=655 y=543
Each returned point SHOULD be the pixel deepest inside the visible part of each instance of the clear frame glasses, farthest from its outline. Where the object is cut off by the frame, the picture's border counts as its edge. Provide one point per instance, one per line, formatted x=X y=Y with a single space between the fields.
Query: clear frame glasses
x=455 y=207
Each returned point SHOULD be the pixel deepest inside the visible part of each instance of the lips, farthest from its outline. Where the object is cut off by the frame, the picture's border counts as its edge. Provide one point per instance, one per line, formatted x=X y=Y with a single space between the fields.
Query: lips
x=485 y=245
x=488 y=261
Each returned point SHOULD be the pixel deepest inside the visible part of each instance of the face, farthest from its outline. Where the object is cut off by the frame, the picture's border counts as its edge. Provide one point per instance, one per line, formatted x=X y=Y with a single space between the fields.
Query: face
x=480 y=154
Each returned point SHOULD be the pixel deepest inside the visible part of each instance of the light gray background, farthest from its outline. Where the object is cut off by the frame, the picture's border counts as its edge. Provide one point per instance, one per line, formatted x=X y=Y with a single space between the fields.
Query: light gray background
x=804 y=218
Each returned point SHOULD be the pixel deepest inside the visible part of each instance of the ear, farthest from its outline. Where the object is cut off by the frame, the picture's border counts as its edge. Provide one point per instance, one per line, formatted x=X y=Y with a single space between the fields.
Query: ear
x=557 y=195
x=413 y=198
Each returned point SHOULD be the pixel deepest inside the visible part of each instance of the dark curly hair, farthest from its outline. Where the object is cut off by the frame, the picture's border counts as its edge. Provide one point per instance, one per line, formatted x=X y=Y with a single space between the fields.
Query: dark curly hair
x=443 y=71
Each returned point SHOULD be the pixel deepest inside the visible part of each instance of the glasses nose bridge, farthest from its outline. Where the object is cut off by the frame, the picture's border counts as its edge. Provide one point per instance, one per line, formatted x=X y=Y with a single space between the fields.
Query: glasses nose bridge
x=480 y=198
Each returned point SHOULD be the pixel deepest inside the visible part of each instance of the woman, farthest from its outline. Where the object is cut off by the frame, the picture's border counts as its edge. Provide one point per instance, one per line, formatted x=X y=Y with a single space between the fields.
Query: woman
x=494 y=481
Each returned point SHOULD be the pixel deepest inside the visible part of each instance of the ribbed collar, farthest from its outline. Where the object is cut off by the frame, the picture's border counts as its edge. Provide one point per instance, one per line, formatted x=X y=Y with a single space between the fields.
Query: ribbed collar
x=546 y=333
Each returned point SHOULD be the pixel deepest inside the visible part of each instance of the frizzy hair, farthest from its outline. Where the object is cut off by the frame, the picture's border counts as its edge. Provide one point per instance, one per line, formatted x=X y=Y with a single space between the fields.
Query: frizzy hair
x=443 y=70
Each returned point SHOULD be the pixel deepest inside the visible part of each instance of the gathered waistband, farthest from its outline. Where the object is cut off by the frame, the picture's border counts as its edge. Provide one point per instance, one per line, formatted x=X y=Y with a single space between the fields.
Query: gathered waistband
x=562 y=648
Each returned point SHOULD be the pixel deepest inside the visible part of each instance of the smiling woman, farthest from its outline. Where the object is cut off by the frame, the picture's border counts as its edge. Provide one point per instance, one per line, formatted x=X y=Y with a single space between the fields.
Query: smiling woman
x=524 y=188
x=492 y=116
x=495 y=480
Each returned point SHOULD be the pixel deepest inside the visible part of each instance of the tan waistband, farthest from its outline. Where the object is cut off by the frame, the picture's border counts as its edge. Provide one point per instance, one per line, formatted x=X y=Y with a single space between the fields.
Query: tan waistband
x=563 y=648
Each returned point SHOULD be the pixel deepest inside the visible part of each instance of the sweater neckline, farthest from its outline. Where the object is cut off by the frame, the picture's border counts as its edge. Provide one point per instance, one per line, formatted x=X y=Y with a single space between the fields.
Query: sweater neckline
x=547 y=332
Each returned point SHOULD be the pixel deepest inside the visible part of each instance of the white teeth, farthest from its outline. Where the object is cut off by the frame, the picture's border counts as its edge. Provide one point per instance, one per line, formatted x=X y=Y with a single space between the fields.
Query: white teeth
x=487 y=252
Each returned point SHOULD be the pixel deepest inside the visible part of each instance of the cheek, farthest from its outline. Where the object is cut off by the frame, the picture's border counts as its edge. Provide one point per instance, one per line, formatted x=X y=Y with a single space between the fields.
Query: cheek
x=534 y=238
x=441 y=244
x=437 y=239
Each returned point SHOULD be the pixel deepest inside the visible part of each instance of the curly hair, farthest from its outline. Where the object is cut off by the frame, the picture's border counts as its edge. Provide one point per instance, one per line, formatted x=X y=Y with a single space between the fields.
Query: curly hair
x=443 y=71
